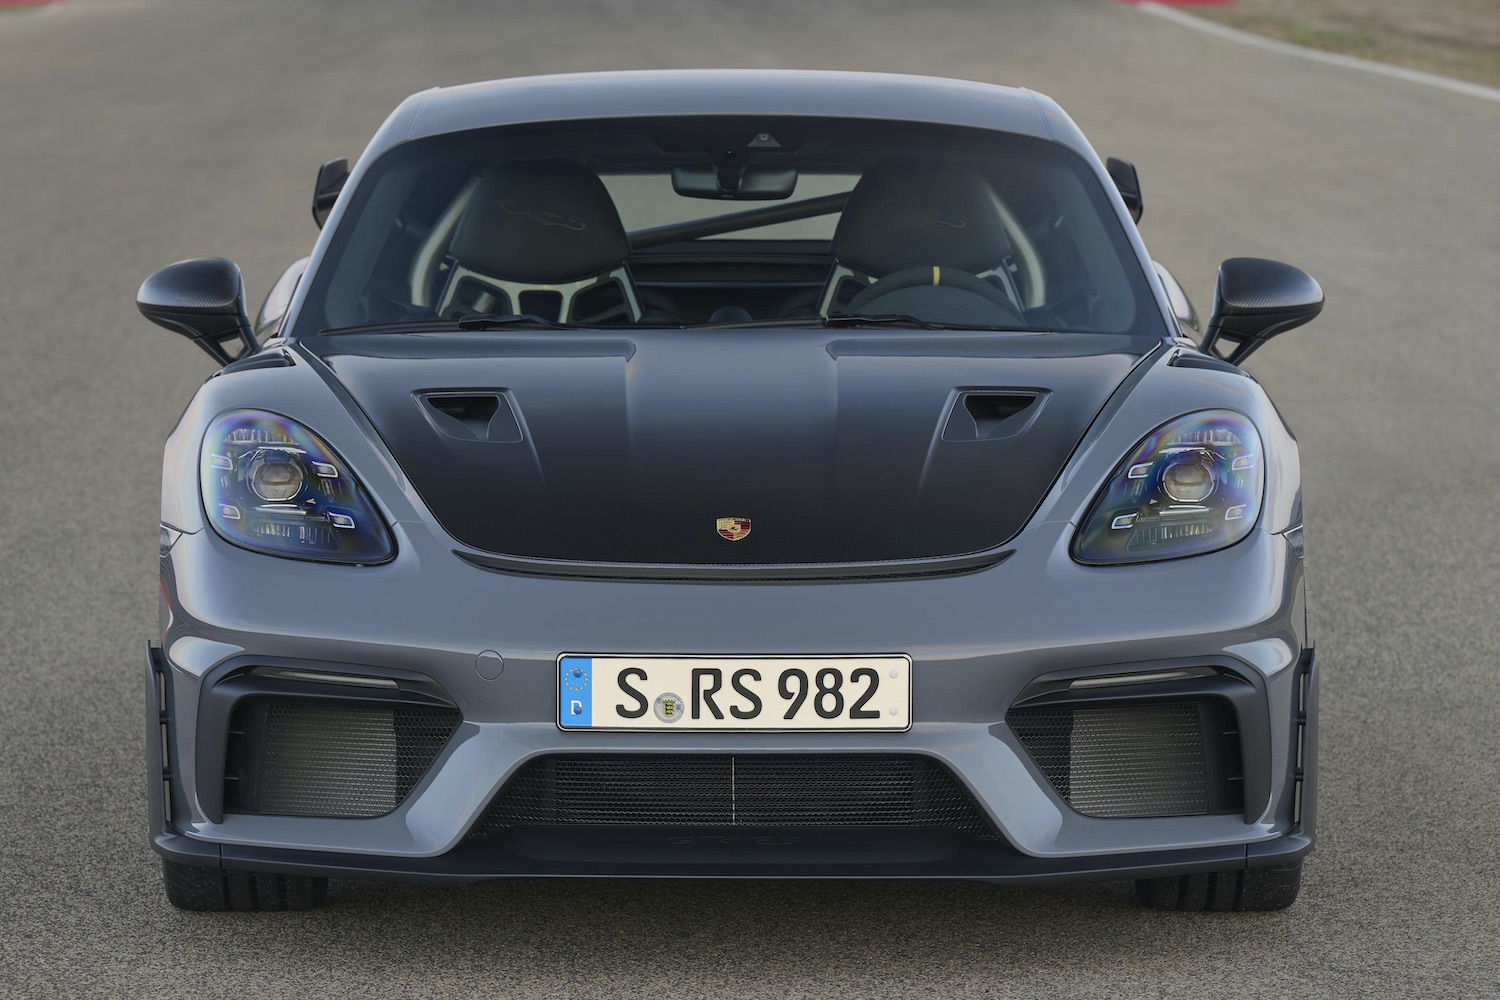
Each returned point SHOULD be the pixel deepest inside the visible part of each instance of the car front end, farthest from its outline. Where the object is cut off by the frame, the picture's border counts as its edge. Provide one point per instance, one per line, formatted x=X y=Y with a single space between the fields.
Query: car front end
x=942 y=570
x=1197 y=672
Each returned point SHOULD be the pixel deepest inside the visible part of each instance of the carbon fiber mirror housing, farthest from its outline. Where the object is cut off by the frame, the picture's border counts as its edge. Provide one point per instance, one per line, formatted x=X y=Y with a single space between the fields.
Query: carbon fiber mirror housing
x=1255 y=300
x=203 y=299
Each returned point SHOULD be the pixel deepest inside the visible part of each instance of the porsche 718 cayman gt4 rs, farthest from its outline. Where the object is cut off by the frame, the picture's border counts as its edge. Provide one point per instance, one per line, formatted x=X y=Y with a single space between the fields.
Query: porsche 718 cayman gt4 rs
x=733 y=474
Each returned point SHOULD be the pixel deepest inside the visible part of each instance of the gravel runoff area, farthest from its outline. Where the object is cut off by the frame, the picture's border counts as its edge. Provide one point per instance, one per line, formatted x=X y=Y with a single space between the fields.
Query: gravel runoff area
x=138 y=132
x=1458 y=38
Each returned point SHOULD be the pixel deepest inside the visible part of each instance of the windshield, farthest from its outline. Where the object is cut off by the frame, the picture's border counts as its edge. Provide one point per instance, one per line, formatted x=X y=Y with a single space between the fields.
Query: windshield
x=712 y=222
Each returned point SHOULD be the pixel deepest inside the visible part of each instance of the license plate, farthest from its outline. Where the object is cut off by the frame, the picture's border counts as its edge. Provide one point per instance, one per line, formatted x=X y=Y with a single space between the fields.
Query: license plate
x=839 y=693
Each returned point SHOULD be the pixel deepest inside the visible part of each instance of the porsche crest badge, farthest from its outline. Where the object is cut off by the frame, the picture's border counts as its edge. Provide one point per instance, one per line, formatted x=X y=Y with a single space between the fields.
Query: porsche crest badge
x=734 y=528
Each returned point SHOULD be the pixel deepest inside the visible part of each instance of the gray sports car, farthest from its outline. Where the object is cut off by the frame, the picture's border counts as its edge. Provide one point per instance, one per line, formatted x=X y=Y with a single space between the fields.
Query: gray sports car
x=732 y=474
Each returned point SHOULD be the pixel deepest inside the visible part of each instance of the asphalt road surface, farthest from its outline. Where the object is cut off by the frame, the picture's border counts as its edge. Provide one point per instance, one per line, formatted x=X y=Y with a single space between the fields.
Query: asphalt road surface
x=138 y=132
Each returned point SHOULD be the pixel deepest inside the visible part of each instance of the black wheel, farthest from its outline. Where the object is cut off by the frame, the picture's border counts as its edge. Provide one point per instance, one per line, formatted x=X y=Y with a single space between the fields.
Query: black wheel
x=1242 y=889
x=211 y=889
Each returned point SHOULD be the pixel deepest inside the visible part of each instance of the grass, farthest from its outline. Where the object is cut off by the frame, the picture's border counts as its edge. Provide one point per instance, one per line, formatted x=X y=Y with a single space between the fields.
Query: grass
x=1477 y=63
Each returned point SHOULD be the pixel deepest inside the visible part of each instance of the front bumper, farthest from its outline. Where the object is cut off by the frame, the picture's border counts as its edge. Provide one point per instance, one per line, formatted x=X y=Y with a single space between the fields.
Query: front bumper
x=1055 y=618
x=685 y=852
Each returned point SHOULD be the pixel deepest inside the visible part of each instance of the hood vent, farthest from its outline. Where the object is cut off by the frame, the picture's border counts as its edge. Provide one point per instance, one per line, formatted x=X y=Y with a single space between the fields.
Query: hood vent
x=980 y=415
x=471 y=416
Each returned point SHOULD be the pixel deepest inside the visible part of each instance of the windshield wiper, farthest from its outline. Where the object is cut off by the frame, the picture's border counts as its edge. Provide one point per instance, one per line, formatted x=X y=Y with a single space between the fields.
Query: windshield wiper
x=479 y=321
x=841 y=321
x=852 y=320
x=491 y=321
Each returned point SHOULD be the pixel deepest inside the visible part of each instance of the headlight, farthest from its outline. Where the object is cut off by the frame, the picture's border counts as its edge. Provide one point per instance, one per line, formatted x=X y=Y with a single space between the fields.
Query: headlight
x=272 y=485
x=1193 y=486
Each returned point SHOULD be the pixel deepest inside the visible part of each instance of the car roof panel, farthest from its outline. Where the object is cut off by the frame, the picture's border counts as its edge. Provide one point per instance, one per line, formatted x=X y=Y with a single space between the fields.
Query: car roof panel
x=664 y=93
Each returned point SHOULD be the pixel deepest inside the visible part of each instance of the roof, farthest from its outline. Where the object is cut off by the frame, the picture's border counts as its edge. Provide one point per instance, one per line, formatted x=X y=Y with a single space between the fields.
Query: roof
x=654 y=93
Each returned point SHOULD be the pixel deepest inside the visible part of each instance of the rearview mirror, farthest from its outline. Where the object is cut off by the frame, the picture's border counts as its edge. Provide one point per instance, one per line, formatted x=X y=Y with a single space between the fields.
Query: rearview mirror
x=204 y=300
x=1254 y=300
x=331 y=178
x=755 y=182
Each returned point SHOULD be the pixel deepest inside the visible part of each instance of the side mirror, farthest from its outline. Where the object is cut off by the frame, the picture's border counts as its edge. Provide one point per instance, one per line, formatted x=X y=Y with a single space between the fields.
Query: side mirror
x=1122 y=172
x=331 y=178
x=1254 y=300
x=204 y=300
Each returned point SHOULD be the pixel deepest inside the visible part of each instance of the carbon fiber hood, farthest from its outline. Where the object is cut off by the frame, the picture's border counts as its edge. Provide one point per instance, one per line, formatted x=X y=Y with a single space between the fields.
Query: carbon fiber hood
x=834 y=446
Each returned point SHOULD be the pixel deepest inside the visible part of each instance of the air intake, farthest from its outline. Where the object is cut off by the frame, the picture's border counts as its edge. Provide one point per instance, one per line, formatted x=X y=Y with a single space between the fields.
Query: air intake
x=1139 y=760
x=468 y=416
x=981 y=416
x=744 y=790
x=292 y=758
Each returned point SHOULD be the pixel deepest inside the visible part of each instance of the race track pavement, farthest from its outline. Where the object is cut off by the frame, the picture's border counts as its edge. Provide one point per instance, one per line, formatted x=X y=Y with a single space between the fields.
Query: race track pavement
x=138 y=132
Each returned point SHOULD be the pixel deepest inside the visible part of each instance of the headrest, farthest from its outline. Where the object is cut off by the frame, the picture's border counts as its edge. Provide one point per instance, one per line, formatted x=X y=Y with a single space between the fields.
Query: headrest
x=540 y=222
x=914 y=214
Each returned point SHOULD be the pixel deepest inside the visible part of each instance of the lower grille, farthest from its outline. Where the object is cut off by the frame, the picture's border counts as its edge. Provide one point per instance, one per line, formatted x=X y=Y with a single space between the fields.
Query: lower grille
x=880 y=790
x=293 y=758
x=1174 y=759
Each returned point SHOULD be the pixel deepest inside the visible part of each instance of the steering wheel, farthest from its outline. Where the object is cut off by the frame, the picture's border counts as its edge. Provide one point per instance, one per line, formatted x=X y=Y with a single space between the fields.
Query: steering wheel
x=941 y=277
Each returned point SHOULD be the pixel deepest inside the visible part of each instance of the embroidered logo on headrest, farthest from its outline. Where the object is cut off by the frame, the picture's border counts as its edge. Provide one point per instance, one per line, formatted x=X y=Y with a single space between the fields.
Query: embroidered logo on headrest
x=541 y=214
x=922 y=214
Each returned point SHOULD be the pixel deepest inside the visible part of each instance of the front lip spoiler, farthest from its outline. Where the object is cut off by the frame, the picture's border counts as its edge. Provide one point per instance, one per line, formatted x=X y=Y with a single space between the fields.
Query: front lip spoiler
x=736 y=853
x=896 y=569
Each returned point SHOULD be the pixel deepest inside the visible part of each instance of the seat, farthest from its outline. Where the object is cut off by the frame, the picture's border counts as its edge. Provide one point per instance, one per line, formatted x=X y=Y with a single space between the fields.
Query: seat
x=540 y=237
x=923 y=239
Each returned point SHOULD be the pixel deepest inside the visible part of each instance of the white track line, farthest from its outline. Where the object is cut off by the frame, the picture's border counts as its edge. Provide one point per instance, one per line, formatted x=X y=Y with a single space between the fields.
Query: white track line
x=1317 y=55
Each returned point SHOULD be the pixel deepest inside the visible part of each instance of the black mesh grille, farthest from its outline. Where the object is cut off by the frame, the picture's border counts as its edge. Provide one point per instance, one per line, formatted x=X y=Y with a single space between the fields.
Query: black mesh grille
x=740 y=790
x=1134 y=760
x=295 y=758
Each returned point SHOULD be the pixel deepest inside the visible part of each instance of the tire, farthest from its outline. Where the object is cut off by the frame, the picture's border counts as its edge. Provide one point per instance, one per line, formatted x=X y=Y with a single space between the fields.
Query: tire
x=215 y=889
x=1241 y=889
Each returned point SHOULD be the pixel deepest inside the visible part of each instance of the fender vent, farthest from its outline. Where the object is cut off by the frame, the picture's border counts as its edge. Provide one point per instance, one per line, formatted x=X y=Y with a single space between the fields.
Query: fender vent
x=253 y=362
